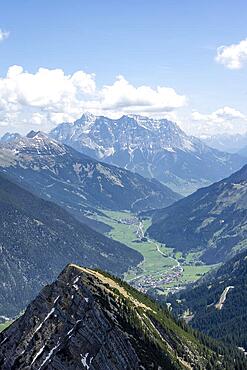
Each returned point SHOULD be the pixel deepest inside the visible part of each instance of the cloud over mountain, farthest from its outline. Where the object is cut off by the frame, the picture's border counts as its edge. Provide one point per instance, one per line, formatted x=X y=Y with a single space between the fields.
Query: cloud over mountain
x=49 y=96
x=219 y=121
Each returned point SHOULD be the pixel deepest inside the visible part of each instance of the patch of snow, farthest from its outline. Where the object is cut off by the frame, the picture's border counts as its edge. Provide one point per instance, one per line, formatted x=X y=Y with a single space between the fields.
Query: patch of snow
x=77 y=168
x=169 y=149
x=47 y=316
x=3 y=341
x=76 y=279
x=84 y=360
x=37 y=354
x=71 y=330
x=48 y=356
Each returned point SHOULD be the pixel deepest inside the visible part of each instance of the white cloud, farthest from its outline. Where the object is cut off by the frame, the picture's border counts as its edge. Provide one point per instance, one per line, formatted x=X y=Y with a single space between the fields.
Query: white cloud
x=3 y=35
x=219 y=116
x=223 y=120
x=233 y=56
x=122 y=96
x=48 y=97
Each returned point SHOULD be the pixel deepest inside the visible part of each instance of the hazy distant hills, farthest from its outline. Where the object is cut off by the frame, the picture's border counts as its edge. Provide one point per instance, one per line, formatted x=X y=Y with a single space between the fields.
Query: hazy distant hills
x=227 y=142
x=243 y=151
x=213 y=220
x=9 y=137
x=217 y=304
x=154 y=148
x=38 y=238
x=77 y=182
x=89 y=320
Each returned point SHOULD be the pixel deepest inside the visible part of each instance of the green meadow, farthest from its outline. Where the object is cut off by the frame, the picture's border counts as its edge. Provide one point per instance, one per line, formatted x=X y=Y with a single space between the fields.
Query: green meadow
x=124 y=229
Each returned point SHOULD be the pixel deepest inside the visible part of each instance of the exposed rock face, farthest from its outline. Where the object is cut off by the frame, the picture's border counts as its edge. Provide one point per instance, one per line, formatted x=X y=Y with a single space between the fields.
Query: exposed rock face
x=211 y=221
x=88 y=320
x=154 y=148
x=76 y=182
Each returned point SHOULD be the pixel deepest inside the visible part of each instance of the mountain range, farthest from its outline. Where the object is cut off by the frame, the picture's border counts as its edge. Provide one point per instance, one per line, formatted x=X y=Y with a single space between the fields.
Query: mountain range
x=38 y=239
x=77 y=182
x=154 y=148
x=88 y=319
x=227 y=142
x=212 y=221
x=53 y=186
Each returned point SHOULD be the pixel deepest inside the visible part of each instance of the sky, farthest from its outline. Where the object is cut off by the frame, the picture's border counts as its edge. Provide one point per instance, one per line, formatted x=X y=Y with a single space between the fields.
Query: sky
x=183 y=60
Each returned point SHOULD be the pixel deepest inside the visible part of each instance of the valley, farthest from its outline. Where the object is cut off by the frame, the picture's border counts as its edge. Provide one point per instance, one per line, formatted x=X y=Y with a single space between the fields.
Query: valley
x=123 y=185
x=162 y=270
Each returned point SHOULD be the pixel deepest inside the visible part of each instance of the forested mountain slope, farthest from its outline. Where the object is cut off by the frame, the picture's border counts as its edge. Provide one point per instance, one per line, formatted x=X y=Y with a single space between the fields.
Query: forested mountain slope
x=212 y=221
x=217 y=304
x=38 y=238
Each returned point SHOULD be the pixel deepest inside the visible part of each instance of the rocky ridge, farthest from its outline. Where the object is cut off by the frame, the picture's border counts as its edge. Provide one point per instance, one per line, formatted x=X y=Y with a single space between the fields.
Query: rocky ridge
x=38 y=238
x=75 y=181
x=154 y=148
x=88 y=319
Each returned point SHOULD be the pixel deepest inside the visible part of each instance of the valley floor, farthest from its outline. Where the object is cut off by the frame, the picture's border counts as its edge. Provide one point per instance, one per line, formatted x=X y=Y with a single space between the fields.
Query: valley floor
x=162 y=270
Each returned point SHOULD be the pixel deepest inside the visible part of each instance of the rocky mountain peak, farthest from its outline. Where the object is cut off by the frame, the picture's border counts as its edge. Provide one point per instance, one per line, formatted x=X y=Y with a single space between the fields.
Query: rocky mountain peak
x=86 y=118
x=152 y=147
x=32 y=134
x=8 y=137
x=88 y=319
x=35 y=143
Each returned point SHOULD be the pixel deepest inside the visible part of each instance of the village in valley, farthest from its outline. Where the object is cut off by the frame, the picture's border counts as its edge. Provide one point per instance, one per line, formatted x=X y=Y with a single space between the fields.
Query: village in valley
x=145 y=282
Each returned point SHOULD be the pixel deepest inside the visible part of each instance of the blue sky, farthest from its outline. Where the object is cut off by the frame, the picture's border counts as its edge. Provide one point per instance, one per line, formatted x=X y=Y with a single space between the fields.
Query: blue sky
x=153 y=43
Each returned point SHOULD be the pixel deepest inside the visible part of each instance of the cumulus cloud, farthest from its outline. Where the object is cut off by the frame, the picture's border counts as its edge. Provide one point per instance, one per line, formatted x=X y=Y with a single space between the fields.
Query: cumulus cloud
x=219 y=116
x=3 y=35
x=223 y=120
x=128 y=98
x=49 y=96
x=233 y=56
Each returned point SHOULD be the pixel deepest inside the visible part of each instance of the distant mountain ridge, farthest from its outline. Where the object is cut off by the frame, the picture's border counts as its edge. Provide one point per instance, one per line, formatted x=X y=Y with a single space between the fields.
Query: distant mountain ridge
x=154 y=148
x=212 y=221
x=9 y=137
x=77 y=182
x=227 y=142
x=243 y=151
x=37 y=240
x=88 y=319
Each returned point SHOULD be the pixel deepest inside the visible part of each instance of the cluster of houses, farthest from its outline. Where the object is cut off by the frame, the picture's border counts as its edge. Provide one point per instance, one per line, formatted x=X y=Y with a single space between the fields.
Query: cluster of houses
x=146 y=282
x=128 y=220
